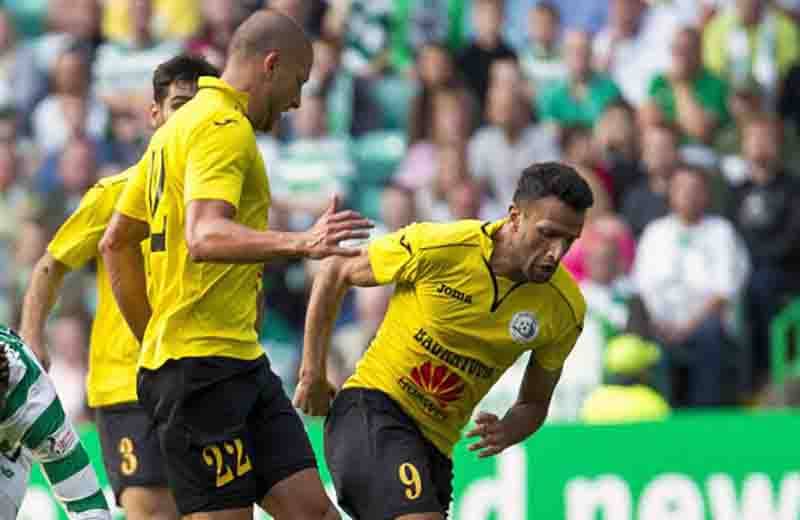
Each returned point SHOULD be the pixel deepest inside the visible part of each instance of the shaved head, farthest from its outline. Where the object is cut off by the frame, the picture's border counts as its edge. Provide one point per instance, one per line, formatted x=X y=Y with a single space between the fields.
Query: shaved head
x=266 y=31
x=270 y=58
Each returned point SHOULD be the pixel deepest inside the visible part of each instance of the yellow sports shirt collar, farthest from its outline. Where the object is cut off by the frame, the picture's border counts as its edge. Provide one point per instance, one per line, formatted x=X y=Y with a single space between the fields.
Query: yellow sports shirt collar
x=240 y=98
x=489 y=229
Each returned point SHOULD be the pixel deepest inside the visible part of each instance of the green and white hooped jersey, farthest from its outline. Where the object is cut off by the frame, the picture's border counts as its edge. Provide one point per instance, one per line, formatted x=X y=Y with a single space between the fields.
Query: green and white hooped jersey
x=33 y=419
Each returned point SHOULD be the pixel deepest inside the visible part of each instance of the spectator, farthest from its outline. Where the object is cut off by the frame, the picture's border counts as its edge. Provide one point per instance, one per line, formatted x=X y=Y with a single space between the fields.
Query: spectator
x=435 y=69
x=688 y=95
x=616 y=138
x=631 y=49
x=630 y=395
x=577 y=150
x=72 y=23
x=541 y=58
x=348 y=102
x=510 y=143
x=452 y=124
x=172 y=19
x=71 y=110
x=69 y=341
x=8 y=59
x=606 y=232
x=123 y=68
x=219 y=19
x=751 y=40
x=689 y=270
x=366 y=36
x=476 y=59
x=647 y=199
x=16 y=205
x=452 y=191
x=584 y=95
x=29 y=245
x=312 y=168
x=767 y=214
x=420 y=22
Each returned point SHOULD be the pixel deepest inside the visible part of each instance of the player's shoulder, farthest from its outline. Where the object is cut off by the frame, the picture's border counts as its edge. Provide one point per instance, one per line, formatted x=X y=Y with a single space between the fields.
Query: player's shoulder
x=109 y=188
x=427 y=236
x=567 y=290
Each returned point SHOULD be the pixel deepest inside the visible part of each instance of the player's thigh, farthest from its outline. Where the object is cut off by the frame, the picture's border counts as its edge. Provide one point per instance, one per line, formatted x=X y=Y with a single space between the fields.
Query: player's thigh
x=381 y=465
x=282 y=450
x=205 y=440
x=132 y=457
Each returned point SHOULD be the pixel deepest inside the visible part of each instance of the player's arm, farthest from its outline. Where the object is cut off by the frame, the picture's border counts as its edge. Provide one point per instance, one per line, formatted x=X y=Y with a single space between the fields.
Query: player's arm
x=335 y=276
x=212 y=235
x=72 y=247
x=122 y=253
x=217 y=164
x=527 y=415
x=46 y=281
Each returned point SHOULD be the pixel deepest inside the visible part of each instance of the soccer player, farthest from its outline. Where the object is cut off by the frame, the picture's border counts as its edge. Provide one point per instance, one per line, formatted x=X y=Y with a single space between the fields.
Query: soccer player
x=229 y=434
x=33 y=427
x=131 y=451
x=470 y=297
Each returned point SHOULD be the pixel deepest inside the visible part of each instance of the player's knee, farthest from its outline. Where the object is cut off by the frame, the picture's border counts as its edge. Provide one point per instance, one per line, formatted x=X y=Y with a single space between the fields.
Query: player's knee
x=148 y=504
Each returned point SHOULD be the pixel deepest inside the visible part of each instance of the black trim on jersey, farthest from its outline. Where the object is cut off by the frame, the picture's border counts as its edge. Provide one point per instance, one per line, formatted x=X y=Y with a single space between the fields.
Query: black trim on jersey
x=483 y=228
x=495 y=302
x=405 y=244
x=566 y=300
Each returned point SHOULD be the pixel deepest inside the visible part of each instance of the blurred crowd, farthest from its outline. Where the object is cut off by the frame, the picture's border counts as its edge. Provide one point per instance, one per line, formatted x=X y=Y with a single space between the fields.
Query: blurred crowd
x=683 y=115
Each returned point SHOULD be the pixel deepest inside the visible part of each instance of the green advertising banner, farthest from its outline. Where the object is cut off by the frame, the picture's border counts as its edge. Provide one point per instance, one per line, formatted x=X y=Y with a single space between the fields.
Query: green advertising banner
x=691 y=467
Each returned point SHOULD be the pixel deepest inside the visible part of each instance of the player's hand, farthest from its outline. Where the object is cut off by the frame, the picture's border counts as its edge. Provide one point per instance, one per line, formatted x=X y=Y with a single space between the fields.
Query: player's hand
x=314 y=396
x=494 y=438
x=333 y=227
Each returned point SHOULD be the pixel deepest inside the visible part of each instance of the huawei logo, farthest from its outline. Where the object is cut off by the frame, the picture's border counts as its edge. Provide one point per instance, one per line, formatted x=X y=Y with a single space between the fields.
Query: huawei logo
x=445 y=386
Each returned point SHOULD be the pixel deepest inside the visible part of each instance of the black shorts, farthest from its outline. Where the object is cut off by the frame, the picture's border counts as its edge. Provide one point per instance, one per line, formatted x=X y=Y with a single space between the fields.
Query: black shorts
x=227 y=430
x=381 y=464
x=131 y=451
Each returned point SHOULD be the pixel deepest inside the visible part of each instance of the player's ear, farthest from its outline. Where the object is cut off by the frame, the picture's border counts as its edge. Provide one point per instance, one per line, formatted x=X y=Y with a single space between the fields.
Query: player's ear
x=271 y=63
x=155 y=115
x=514 y=216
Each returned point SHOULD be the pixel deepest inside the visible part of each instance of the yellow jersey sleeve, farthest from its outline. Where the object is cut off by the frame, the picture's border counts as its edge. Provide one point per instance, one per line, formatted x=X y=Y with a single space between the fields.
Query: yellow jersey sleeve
x=76 y=241
x=219 y=156
x=395 y=258
x=133 y=202
x=552 y=357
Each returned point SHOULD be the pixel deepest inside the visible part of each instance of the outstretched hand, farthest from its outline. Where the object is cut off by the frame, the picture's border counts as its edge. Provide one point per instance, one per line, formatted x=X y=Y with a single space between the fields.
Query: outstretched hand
x=332 y=228
x=494 y=437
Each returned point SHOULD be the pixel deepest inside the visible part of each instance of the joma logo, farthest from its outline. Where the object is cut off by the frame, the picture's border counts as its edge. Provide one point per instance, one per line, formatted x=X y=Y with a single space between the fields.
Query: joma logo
x=454 y=293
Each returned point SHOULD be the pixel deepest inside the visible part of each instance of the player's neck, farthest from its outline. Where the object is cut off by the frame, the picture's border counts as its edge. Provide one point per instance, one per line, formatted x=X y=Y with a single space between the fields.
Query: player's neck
x=240 y=77
x=502 y=260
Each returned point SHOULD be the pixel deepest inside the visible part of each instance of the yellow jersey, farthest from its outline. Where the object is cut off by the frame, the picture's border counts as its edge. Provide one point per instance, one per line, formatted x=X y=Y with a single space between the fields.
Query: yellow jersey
x=206 y=150
x=113 y=351
x=453 y=326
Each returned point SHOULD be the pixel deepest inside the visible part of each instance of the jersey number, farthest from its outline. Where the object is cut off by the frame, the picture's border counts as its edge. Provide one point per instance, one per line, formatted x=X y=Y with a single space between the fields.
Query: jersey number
x=129 y=463
x=214 y=457
x=409 y=476
x=158 y=241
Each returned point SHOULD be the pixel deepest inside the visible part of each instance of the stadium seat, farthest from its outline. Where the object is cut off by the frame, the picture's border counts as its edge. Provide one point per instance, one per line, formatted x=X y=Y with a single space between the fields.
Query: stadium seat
x=377 y=155
x=392 y=96
x=785 y=342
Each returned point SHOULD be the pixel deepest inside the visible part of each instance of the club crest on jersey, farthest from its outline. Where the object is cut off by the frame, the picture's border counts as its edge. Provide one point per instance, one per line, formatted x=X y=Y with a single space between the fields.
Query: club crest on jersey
x=523 y=327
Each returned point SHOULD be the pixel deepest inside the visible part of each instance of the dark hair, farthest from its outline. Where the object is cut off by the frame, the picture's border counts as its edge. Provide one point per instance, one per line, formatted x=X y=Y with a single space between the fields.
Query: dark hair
x=549 y=8
x=554 y=179
x=180 y=68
